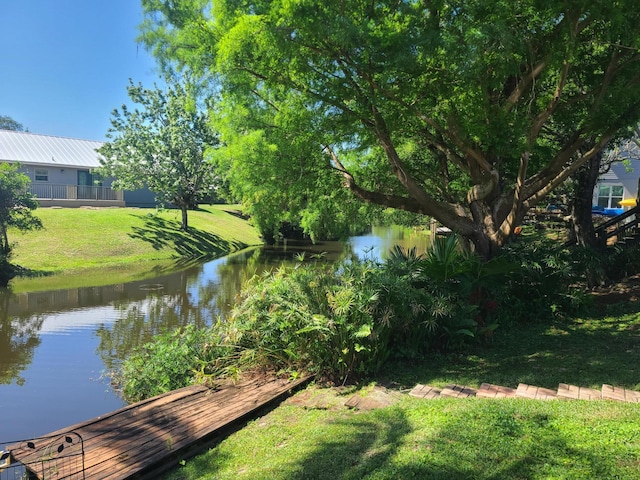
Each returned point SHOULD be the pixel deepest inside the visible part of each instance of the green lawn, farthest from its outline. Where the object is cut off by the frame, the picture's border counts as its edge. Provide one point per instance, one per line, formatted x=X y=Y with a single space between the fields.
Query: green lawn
x=91 y=247
x=438 y=439
x=468 y=438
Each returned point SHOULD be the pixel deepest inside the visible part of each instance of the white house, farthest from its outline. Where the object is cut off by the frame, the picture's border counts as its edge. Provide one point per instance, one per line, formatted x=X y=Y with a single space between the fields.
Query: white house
x=62 y=171
x=621 y=181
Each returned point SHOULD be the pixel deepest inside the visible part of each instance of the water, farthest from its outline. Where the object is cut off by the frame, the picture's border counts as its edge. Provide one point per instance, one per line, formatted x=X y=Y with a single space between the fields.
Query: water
x=57 y=347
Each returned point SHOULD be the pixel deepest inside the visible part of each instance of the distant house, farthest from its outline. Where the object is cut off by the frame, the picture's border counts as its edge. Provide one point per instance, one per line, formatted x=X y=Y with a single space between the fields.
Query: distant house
x=62 y=171
x=621 y=181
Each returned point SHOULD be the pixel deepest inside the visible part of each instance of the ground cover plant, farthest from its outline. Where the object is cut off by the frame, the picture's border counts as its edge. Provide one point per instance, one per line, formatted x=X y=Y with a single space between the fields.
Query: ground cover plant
x=91 y=247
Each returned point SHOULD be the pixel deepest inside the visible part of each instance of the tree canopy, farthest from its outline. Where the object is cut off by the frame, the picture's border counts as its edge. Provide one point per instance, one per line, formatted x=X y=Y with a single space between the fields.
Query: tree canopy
x=16 y=211
x=467 y=111
x=165 y=146
x=8 y=123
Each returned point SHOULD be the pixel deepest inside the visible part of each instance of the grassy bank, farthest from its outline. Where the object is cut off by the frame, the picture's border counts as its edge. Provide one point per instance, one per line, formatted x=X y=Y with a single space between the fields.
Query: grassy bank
x=468 y=438
x=92 y=247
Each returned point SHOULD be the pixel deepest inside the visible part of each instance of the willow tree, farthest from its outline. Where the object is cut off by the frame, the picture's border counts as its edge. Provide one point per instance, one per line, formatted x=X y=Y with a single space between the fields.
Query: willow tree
x=467 y=111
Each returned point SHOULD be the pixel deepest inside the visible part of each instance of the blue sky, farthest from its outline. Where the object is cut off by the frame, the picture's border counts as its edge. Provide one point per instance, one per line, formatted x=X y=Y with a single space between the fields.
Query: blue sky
x=65 y=64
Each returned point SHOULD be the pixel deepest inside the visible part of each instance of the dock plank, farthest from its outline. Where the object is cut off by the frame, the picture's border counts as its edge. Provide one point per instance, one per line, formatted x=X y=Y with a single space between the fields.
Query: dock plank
x=141 y=436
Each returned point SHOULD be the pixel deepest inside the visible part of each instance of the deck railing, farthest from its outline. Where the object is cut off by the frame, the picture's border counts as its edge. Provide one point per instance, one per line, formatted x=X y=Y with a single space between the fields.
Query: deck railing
x=52 y=191
x=44 y=458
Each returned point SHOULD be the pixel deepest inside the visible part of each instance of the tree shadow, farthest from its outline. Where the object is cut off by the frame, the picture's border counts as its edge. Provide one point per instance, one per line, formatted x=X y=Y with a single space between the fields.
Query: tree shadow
x=501 y=439
x=193 y=243
x=9 y=271
x=370 y=442
x=586 y=352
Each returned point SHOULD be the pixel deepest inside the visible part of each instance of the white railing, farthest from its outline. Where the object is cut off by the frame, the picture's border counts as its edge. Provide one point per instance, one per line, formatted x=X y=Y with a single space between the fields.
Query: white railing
x=52 y=191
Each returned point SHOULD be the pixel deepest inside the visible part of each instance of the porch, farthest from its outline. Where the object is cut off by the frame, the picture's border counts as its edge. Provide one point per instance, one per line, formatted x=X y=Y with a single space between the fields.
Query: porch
x=65 y=195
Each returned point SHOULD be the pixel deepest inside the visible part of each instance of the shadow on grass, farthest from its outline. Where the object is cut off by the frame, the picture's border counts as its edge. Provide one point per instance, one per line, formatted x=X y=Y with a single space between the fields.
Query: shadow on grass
x=9 y=271
x=161 y=234
x=496 y=440
x=585 y=351
x=461 y=439
x=369 y=443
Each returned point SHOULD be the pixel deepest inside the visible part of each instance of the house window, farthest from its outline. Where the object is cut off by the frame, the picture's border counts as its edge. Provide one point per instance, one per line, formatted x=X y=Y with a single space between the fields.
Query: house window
x=42 y=175
x=610 y=195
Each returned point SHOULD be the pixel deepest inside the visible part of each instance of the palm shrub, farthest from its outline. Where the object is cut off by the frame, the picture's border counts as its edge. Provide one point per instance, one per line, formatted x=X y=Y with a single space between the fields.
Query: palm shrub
x=621 y=262
x=452 y=294
x=313 y=317
x=349 y=318
x=548 y=281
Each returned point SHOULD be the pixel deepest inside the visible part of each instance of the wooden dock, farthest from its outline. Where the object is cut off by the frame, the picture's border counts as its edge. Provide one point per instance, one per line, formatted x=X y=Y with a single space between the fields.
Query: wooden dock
x=144 y=438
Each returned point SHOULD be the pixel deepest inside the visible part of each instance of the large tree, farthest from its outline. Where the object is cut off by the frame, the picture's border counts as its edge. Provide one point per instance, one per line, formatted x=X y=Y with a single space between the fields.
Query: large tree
x=468 y=111
x=164 y=145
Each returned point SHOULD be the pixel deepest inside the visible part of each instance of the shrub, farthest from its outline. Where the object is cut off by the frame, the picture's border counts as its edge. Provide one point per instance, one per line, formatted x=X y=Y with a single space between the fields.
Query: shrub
x=351 y=317
x=174 y=360
x=313 y=317
x=548 y=281
x=347 y=319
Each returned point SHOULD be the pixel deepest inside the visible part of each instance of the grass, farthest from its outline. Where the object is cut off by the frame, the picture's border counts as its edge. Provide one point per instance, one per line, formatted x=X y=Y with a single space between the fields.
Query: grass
x=464 y=438
x=92 y=247
x=439 y=439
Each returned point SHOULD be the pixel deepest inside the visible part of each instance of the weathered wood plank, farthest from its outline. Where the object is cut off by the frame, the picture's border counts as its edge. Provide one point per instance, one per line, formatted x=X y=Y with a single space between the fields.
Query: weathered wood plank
x=140 y=436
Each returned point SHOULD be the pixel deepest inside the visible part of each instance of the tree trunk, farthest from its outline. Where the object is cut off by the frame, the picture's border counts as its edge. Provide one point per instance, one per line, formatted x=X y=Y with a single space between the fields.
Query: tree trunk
x=581 y=218
x=5 y=248
x=185 y=225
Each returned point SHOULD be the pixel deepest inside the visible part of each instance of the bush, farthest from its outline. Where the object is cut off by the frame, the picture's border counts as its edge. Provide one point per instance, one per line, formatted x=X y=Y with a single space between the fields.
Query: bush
x=547 y=281
x=174 y=360
x=346 y=320
x=317 y=318
x=350 y=318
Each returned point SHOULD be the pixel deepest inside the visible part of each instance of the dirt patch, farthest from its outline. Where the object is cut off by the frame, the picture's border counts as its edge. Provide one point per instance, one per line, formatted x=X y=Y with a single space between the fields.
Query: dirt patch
x=626 y=290
x=337 y=398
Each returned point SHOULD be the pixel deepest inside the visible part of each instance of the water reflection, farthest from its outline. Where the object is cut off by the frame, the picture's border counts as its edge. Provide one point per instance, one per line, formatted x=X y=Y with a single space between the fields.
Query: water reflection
x=55 y=345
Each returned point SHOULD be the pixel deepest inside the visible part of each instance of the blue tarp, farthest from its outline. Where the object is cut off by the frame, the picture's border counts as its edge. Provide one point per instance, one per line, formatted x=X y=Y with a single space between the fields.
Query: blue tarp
x=610 y=212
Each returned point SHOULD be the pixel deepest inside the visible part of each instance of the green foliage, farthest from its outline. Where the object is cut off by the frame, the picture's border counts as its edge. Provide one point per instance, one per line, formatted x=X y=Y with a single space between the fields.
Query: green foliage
x=548 y=280
x=8 y=123
x=469 y=112
x=16 y=203
x=352 y=317
x=174 y=360
x=338 y=321
x=16 y=211
x=318 y=318
x=165 y=146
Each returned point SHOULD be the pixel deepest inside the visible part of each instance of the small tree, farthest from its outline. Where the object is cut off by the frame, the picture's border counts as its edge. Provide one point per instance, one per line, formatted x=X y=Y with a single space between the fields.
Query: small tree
x=162 y=146
x=16 y=204
x=16 y=210
x=8 y=123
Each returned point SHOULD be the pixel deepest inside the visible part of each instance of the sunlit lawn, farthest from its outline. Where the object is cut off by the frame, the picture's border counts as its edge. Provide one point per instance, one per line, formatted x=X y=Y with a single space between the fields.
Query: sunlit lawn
x=468 y=438
x=91 y=247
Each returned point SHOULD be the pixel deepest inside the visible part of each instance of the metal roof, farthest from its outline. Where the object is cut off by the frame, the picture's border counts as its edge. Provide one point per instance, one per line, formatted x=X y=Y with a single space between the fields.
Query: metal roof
x=31 y=148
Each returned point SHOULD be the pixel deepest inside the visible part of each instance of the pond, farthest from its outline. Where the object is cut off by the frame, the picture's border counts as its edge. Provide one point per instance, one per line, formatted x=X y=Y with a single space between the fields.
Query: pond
x=57 y=347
